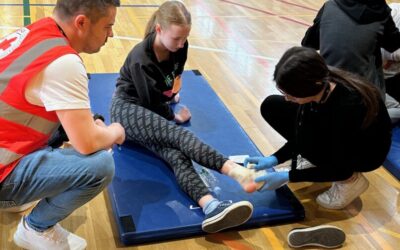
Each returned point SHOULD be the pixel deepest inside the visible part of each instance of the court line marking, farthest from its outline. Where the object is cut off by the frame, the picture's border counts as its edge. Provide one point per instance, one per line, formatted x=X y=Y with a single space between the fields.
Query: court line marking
x=267 y=12
x=52 y=5
x=190 y=46
x=207 y=49
x=298 y=5
x=27 y=12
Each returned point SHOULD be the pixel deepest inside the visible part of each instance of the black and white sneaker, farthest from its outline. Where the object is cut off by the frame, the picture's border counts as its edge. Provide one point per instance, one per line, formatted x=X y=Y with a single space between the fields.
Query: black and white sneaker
x=321 y=236
x=227 y=215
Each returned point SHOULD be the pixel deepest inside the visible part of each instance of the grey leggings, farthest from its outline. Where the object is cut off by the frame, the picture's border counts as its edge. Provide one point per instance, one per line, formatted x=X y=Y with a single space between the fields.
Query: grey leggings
x=173 y=143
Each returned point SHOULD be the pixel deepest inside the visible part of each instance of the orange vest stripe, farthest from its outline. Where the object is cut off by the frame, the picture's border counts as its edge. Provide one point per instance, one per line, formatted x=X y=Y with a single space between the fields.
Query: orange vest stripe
x=27 y=58
x=37 y=123
x=10 y=156
x=25 y=127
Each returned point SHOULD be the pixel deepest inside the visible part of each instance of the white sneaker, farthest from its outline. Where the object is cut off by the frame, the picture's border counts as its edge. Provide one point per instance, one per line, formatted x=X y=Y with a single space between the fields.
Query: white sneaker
x=55 y=238
x=19 y=209
x=342 y=194
x=227 y=215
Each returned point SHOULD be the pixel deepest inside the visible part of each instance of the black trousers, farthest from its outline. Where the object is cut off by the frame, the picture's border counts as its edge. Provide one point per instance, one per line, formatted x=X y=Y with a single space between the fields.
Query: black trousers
x=393 y=86
x=171 y=142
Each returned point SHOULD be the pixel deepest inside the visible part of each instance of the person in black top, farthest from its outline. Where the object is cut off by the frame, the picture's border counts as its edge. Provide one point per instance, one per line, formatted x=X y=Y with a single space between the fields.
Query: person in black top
x=350 y=35
x=149 y=79
x=332 y=118
x=151 y=74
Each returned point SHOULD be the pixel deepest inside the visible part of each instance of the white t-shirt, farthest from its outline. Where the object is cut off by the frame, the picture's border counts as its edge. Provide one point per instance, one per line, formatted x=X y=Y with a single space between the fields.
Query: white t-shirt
x=63 y=84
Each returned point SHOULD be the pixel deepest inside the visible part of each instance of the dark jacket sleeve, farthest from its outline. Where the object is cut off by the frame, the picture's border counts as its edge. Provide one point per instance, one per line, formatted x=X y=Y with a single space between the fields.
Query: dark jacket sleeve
x=390 y=39
x=343 y=139
x=311 y=38
x=149 y=96
x=284 y=153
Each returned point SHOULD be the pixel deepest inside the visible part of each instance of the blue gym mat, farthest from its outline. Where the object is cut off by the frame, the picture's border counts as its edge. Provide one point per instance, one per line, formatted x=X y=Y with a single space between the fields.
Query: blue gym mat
x=148 y=204
x=392 y=162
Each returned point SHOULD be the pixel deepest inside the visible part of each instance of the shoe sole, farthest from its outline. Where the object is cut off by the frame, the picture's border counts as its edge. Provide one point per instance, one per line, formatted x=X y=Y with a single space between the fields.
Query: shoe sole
x=233 y=216
x=354 y=196
x=321 y=236
x=20 y=242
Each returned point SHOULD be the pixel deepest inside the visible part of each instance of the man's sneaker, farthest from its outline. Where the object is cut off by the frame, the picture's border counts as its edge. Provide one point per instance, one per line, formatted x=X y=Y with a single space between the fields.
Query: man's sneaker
x=321 y=236
x=227 y=215
x=56 y=238
x=342 y=194
x=19 y=209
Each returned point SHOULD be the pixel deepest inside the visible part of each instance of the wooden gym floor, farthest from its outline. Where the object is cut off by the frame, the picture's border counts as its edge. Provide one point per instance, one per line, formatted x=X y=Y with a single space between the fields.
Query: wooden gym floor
x=235 y=44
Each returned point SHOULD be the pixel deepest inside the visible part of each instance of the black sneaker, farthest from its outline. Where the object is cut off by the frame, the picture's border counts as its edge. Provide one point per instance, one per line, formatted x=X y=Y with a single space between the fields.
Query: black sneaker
x=227 y=215
x=322 y=236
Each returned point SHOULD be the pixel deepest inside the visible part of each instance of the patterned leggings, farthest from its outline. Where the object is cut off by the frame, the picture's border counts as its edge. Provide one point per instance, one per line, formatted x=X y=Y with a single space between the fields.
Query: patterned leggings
x=173 y=143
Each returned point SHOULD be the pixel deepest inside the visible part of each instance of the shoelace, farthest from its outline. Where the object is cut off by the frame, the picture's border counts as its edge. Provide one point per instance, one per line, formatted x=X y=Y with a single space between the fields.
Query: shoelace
x=57 y=234
x=333 y=192
x=225 y=204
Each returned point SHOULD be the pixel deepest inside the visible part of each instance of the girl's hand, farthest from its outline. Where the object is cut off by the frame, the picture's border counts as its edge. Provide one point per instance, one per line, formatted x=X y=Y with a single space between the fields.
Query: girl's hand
x=183 y=115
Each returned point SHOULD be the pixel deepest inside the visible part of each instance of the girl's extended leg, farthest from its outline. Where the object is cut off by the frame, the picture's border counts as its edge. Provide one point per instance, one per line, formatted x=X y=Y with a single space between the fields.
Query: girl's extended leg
x=219 y=215
x=153 y=132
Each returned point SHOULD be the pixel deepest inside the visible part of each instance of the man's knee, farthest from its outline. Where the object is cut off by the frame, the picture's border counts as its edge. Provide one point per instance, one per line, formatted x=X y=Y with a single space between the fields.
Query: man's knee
x=101 y=165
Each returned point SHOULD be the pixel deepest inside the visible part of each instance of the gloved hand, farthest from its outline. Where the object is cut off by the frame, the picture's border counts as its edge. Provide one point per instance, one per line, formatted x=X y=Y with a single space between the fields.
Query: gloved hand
x=261 y=162
x=273 y=180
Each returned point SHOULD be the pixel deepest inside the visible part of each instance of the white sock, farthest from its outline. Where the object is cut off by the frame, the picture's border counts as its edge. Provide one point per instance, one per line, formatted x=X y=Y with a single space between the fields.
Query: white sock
x=244 y=175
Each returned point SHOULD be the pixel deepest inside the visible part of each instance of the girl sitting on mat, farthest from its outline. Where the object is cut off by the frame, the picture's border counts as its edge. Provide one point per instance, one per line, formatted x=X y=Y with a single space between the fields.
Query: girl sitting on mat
x=334 y=119
x=149 y=79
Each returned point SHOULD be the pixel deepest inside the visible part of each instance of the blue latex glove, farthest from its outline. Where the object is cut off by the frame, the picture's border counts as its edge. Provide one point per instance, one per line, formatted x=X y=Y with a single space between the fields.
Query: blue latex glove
x=261 y=162
x=273 y=180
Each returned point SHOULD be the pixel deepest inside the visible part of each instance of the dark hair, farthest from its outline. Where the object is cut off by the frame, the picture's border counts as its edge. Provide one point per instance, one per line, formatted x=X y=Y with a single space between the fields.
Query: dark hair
x=93 y=9
x=170 y=12
x=302 y=72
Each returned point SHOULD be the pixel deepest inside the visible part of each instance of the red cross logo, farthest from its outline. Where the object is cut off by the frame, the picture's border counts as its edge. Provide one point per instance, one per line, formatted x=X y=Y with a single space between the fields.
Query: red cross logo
x=7 y=43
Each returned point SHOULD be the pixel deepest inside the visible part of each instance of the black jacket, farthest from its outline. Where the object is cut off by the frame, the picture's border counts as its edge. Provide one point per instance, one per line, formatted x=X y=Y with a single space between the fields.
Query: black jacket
x=331 y=137
x=149 y=83
x=349 y=35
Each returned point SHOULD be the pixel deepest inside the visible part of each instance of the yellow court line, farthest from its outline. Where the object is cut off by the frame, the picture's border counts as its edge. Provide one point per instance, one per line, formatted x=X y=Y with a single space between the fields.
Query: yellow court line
x=230 y=243
x=272 y=239
x=370 y=230
x=394 y=234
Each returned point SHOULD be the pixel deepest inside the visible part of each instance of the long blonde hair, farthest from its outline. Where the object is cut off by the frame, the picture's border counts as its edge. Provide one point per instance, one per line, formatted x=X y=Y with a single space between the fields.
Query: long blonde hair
x=170 y=12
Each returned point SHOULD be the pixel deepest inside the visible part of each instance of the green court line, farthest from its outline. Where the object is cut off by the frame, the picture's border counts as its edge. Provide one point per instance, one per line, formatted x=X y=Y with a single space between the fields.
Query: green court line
x=27 y=13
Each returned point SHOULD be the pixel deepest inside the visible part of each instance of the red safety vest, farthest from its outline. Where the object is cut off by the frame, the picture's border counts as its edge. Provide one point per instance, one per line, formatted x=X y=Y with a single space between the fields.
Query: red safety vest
x=25 y=127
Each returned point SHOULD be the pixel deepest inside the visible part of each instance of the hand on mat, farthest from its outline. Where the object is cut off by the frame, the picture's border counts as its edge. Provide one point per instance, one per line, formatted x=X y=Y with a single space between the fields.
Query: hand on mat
x=261 y=162
x=183 y=115
x=119 y=132
x=273 y=180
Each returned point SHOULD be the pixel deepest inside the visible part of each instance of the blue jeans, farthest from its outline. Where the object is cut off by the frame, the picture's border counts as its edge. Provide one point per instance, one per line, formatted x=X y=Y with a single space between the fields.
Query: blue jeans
x=62 y=179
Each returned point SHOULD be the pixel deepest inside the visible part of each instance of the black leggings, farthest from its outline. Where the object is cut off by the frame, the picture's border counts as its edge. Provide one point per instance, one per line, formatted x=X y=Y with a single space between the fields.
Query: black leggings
x=174 y=144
